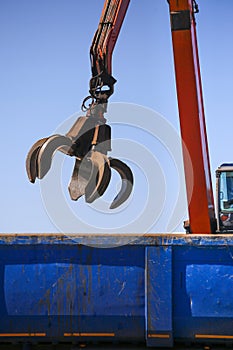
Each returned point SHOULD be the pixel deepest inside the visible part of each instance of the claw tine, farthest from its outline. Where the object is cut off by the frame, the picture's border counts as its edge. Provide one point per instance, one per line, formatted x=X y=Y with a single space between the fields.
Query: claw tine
x=99 y=178
x=31 y=160
x=127 y=182
x=78 y=180
x=47 y=150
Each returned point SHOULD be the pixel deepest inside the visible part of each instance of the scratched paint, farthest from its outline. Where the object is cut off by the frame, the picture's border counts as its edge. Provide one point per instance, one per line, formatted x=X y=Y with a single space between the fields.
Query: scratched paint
x=70 y=290
x=214 y=297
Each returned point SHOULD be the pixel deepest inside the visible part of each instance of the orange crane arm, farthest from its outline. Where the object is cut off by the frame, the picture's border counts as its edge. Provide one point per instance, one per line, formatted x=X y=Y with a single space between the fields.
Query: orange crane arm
x=101 y=83
x=192 y=119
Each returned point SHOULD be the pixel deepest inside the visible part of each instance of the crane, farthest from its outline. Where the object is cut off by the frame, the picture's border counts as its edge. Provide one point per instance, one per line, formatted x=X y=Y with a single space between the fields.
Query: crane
x=89 y=139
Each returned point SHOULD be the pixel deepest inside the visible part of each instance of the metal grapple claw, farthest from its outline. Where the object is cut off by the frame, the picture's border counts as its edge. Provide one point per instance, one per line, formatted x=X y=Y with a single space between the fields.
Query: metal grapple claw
x=39 y=158
x=126 y=184
x=79 y=179
x=47 y=150
x=100 y=176
x=90 y=177
x=31 y=160
x=89 y=140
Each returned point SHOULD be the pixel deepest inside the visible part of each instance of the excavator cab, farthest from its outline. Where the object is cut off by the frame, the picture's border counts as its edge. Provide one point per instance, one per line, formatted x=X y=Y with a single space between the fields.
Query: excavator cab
x=224 y=187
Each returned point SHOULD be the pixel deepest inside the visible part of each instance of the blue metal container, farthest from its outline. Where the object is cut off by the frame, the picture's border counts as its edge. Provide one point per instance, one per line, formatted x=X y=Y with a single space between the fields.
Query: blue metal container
x=147 y=288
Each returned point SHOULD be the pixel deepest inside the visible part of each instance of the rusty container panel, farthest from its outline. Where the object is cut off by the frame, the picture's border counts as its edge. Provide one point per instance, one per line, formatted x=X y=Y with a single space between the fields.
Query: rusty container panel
x=69 y=290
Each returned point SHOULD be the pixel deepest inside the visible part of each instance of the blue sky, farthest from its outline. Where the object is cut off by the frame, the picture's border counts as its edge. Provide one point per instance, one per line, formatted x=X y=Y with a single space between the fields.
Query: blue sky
x=45 y=72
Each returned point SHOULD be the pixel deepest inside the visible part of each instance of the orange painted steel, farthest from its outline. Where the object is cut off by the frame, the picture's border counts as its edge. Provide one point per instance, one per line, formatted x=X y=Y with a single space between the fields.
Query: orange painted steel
x=192 y=120
x=105 y=38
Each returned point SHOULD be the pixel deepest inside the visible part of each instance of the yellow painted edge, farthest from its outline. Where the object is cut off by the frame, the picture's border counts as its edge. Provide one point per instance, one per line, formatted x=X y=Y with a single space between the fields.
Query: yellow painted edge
x=89 y=334
x=213 y=336
x=22 y=334
x=162 y=336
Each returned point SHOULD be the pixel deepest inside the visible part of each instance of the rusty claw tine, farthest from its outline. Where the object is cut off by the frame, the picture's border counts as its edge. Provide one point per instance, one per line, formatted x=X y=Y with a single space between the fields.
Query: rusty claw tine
x=47 y=150
x=79 y=179
x=99 y=178
x=31 y=160
x=127 y=182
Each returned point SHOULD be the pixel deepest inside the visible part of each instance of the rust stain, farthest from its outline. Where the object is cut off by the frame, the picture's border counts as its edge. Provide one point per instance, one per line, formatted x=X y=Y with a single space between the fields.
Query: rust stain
x=54 y=295
x=89 y=289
